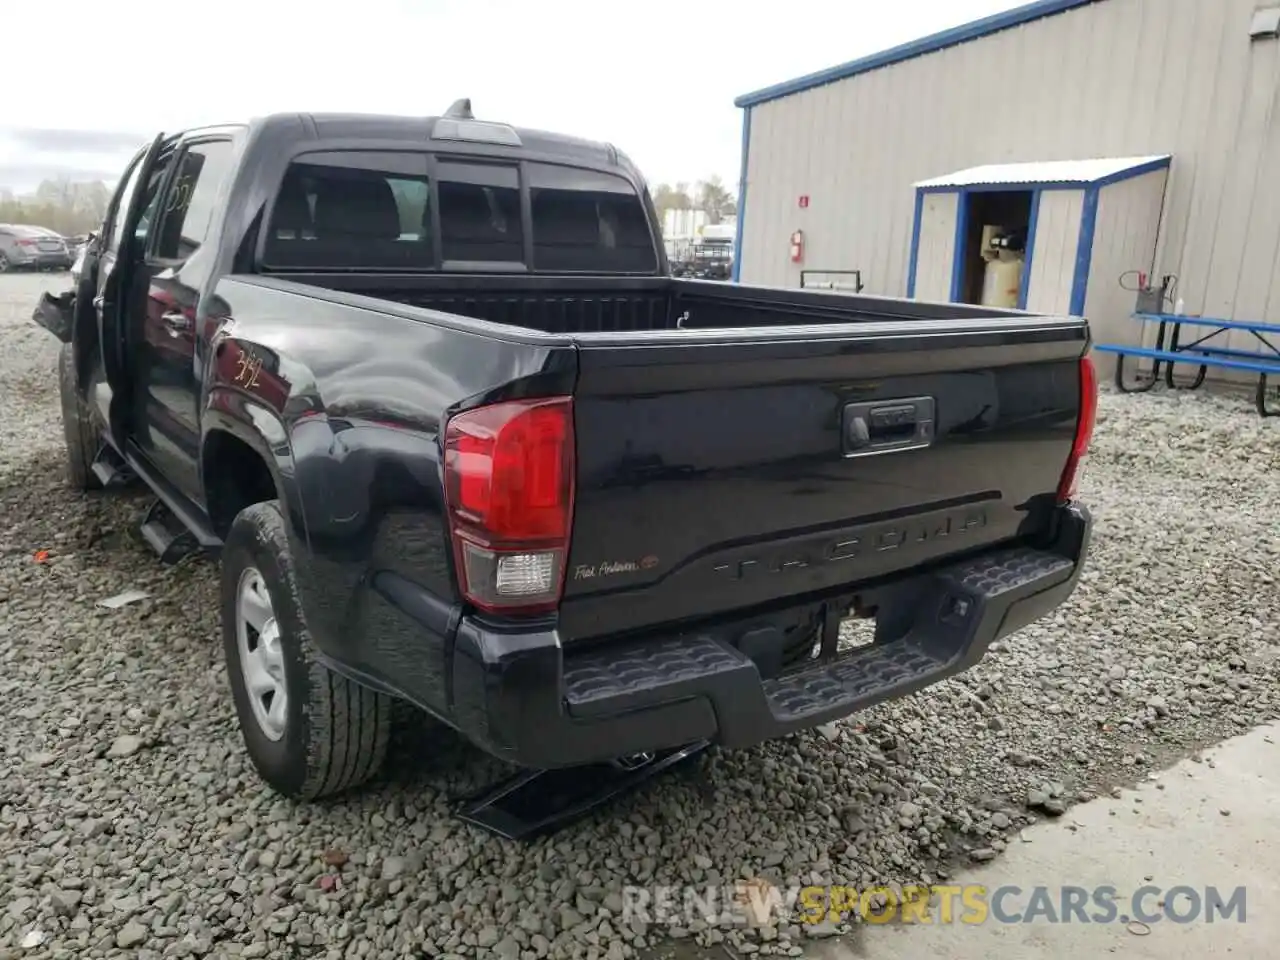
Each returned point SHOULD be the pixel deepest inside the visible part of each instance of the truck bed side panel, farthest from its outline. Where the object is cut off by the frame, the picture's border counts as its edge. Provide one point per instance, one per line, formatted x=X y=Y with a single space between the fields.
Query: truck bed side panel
x=360 y=395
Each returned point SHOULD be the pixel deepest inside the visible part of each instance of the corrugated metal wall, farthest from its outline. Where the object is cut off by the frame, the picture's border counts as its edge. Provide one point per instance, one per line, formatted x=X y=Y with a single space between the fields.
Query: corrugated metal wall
x=1054 y=256
x=938 y=216
x=1124 y=239
x=1118 y=78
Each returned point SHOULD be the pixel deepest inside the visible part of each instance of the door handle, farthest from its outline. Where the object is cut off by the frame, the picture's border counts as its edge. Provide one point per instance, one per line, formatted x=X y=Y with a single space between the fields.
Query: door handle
x=176 y=323
x=888 y=426
x=99 y=302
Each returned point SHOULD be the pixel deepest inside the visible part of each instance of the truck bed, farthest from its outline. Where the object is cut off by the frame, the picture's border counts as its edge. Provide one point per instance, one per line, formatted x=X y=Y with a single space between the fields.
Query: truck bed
x=713 y=469
x=617 y=305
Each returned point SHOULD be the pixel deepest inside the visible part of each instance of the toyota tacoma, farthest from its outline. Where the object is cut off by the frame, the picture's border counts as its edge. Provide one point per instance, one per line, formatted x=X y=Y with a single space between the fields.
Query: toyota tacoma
x=427 y=388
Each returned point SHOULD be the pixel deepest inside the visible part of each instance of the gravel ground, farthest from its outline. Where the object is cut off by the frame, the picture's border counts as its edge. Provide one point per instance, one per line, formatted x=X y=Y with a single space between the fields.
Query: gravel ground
x=130 y=824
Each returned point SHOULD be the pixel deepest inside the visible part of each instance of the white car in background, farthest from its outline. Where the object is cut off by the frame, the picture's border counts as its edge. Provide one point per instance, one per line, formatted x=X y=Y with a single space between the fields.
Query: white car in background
x=26 y=247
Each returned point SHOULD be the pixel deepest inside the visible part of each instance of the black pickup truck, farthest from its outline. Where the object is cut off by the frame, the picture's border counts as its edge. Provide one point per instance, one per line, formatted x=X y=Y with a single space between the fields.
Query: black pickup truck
x=461 y=440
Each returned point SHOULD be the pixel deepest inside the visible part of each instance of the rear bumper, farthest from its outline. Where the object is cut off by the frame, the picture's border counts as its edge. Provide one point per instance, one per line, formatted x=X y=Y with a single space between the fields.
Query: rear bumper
x=522 y=698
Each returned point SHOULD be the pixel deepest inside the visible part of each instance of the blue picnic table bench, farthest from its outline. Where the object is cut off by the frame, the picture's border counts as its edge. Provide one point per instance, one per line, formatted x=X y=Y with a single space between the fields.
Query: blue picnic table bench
x=1170 y=350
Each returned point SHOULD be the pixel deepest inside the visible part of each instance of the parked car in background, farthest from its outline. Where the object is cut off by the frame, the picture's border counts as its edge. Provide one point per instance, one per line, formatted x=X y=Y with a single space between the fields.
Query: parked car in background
x=24 y=247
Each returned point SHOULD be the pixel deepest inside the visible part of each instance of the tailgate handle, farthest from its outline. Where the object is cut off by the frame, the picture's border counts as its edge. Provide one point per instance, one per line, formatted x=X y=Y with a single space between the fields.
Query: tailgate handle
x=887 y=426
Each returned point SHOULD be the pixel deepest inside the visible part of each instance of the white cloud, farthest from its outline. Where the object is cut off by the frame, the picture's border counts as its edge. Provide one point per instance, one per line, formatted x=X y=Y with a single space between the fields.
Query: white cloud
x=657 y=80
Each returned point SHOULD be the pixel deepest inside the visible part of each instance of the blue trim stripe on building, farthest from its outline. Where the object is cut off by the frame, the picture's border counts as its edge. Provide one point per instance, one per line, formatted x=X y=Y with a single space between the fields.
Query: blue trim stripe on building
x=913 y=254
x=975 y=30
x=742 y=196
x=1028 y=256
x=1084 y=251
x=1159 y=163
x=957 y=261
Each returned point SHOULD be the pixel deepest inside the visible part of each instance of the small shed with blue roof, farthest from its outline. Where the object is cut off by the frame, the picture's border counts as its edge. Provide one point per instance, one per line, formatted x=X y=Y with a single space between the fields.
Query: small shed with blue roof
x=1071 y=221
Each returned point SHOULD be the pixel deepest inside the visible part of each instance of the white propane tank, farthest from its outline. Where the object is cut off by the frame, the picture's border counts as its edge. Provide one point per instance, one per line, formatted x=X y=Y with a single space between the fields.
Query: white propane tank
x=1001 y=282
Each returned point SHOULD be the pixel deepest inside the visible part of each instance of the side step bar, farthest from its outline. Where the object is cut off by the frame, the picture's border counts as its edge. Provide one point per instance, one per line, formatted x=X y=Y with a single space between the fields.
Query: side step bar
x=110 y=468
x=537 y=802
x=170 y=527
x=165 y=535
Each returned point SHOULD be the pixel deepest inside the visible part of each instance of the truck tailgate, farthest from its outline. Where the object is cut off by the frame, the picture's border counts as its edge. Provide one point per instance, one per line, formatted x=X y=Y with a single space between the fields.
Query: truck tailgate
x=724 y=469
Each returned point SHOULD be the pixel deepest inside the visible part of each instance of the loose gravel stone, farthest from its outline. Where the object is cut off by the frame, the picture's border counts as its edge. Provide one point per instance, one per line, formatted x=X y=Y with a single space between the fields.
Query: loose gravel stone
x=131 y=824
x=131 y=935
x=125 y=746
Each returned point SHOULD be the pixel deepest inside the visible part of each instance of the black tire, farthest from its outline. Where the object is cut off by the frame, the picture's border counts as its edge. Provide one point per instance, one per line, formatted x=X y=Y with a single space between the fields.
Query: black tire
x=82 y=438
x=335 y=731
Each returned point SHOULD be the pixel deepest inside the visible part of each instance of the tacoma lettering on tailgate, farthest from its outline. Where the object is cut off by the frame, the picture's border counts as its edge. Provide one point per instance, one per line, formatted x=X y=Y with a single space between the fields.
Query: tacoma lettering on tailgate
x=856 y=542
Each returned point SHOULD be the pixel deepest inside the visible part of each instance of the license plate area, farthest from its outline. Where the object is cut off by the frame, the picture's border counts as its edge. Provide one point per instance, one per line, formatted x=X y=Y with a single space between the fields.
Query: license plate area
x=836 y=630
x=821 y=633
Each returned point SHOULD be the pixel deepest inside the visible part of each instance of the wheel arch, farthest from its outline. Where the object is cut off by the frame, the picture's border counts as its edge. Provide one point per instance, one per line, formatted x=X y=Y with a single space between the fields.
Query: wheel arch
x=247 y=458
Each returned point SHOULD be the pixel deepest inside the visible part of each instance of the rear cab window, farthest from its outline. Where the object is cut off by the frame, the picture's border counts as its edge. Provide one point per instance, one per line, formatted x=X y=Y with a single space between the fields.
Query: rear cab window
x=404 y=210
x=586 y=220
x=480 y=218
x=348 y=210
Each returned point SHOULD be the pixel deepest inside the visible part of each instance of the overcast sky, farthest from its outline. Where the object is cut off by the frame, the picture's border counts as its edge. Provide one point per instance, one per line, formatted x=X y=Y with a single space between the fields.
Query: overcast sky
x=657 y=79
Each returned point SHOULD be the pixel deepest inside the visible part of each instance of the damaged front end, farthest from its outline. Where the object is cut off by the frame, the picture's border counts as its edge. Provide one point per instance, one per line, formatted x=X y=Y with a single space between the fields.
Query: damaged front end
x=56 y=314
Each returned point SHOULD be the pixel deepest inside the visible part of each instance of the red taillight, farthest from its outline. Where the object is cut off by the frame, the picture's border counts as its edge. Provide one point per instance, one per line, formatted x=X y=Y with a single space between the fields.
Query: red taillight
x=1084 y=430
x=508 y=471
x=26 y=243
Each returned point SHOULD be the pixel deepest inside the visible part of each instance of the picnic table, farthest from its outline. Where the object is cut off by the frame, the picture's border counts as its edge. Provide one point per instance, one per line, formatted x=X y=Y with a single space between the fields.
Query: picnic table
x=1172 y=348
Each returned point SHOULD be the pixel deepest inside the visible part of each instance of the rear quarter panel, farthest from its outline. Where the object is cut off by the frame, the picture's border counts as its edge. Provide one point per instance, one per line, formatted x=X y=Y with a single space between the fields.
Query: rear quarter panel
x=359 y=395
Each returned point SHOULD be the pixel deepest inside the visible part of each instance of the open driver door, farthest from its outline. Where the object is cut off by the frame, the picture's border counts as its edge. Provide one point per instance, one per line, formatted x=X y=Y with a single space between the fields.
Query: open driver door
x=119 y=254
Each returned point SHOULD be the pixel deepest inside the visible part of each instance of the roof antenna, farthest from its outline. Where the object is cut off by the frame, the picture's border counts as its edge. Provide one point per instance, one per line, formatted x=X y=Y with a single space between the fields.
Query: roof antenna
x=460 y=110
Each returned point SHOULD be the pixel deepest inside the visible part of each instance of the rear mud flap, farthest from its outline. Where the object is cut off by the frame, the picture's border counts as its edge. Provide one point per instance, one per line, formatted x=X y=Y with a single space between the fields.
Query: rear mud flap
x=539 y=802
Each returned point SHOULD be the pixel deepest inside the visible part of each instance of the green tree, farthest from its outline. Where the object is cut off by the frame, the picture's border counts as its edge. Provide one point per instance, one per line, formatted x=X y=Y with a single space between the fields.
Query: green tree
x=667 y=197
x=62 y=205
x=714 y=199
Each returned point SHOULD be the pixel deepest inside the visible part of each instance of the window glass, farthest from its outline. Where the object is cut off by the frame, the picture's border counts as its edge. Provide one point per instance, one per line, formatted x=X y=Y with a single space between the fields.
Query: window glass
x=352 y=209
x=480 y=213
x=151 y=199
x=588 y=221
x=123 y=198
x=372 y=210
x=189 y=204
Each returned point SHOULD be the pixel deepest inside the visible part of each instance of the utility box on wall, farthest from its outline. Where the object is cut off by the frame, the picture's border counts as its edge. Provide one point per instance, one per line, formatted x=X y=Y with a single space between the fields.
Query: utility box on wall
x=1032 y=235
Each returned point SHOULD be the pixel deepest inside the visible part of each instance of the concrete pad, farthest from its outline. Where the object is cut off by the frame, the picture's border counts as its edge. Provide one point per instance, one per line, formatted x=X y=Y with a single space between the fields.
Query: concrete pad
x=1175 y=836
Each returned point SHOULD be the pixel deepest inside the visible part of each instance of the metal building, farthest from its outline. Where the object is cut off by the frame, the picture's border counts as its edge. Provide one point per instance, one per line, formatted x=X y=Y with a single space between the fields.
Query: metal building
x=1120 y=135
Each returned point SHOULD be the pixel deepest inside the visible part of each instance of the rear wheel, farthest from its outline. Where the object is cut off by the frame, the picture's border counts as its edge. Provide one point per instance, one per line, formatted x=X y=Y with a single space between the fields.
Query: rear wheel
x=309 y=731
x=4 y=263
x=78 y=431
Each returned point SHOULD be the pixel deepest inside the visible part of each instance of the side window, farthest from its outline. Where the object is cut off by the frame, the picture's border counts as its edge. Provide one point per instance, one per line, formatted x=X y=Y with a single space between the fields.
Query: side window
x=124 y=198
x=352 y=210
x=120 y=208
x=480 y=212
x=152 y=199
x=188 y=206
